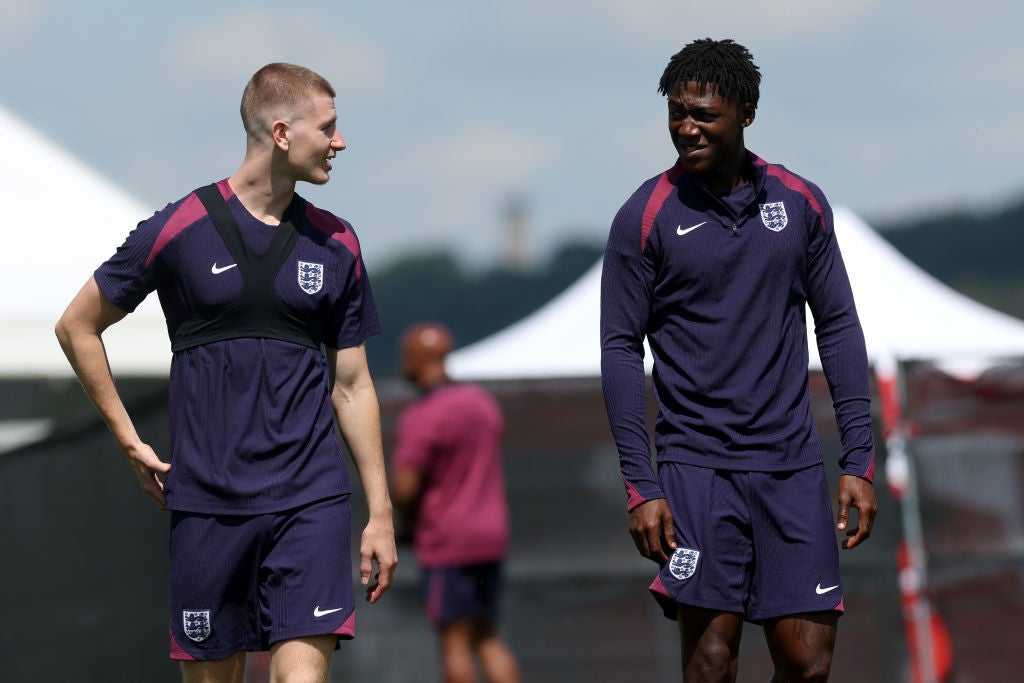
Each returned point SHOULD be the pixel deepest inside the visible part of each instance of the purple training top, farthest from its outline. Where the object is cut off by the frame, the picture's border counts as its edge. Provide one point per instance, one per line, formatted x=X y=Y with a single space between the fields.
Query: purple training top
x=252 y=425
x=718 y=286
x=452 y=437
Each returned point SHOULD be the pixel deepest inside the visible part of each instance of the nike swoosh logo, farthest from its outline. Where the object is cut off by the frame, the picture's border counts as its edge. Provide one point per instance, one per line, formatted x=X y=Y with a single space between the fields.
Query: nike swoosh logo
x=322 y=613
x=821 y=591
x=680 y=231
x=217 y=271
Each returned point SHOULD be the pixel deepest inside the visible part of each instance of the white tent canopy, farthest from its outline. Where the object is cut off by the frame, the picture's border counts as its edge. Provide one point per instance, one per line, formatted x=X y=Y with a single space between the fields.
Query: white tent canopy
x=63 y=221
x=906 y=314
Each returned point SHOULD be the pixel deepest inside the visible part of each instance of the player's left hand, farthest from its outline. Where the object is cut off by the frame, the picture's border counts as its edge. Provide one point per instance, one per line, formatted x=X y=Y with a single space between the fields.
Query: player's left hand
x=860 y=494
x=649 y=523
x=378 y=543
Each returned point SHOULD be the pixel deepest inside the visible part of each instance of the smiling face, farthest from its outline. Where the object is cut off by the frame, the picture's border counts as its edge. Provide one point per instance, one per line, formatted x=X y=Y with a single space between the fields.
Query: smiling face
x=707 y=132
x=311 y=139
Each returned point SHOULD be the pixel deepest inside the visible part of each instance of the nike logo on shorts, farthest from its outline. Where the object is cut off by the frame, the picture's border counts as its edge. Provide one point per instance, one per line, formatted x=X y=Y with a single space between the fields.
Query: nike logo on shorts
x=323 y=613
x=821 y=591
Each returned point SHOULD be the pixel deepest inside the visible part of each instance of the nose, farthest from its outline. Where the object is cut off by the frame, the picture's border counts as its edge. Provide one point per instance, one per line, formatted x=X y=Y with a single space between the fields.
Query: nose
x=687 y=128
x=338 y=142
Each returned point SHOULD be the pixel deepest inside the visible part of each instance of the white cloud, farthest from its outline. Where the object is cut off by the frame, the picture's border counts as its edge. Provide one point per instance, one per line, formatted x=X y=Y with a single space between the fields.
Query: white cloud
x=982 y=22
x=770 y=21
x=19 y=18
x=989 y=72
x=477 y=150
x=226 y=47
x=659 y=22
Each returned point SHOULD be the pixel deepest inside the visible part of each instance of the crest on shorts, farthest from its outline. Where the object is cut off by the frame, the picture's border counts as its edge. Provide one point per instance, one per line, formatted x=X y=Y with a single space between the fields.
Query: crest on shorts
x=197 y=623
x=683 y=563
x=311 y=277
x=774 y=216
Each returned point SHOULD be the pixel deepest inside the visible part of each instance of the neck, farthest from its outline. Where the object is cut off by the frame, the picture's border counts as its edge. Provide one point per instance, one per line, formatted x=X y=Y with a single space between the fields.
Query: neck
x=433 y=379
x=262 y=194
x=725 y=179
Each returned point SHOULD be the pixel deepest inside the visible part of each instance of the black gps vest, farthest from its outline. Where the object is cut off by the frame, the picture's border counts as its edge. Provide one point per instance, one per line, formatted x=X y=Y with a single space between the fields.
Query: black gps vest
x=257 y=312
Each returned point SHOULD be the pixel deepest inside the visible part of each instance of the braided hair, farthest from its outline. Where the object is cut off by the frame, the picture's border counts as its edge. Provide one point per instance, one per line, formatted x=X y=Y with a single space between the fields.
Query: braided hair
x=724 y=65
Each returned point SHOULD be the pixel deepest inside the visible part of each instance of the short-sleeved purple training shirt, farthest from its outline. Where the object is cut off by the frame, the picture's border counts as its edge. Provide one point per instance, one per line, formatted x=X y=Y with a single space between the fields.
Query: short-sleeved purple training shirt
x=252 y=425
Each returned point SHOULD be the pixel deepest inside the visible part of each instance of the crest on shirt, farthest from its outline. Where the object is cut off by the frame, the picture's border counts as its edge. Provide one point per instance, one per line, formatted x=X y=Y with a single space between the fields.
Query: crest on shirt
x=311 y=277
x=773 y=216
x=683 y=563
x=197 y=623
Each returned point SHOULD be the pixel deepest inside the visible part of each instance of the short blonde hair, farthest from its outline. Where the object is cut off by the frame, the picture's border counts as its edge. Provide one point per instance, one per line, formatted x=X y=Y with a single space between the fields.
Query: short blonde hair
x=278 y=85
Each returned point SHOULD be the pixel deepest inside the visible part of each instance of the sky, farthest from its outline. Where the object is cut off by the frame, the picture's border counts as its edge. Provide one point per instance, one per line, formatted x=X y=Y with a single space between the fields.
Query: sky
x=454 y=110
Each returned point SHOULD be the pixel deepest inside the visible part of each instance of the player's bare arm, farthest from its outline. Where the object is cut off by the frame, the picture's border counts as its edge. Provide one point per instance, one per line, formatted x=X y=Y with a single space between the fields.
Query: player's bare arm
x=79 y=332
x=859 y=494
x=648 y=523
x=406 y=487
x=358 y=414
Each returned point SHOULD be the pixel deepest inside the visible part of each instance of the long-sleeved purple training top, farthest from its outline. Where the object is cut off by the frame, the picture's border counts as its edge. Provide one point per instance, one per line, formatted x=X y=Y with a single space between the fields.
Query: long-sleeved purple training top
x=719 y=287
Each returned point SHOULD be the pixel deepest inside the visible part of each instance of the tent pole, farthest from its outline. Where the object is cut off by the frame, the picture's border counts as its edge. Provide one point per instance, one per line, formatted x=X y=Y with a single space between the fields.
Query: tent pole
x=914 y=571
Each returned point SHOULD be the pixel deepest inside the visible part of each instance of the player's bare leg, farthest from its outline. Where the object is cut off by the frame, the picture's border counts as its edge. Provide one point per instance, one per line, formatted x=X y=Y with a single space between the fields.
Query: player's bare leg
x=801 y=646
x=457 y=652
x=229 y=670
x=302 y=660
x=710 y=643
x=496 y=659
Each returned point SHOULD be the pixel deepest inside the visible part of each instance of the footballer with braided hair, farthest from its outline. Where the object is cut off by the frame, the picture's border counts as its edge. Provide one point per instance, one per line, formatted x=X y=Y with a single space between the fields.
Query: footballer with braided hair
x=713 y=263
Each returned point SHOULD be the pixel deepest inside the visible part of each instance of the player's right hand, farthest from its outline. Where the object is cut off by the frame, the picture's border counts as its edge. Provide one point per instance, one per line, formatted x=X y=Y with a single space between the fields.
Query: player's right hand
x=148 y=468
x=378 y=543
x=649 y=523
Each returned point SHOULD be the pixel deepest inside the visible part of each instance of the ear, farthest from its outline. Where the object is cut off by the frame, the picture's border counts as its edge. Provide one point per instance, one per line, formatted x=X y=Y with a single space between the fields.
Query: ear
x=279 y=132
x=747 y=114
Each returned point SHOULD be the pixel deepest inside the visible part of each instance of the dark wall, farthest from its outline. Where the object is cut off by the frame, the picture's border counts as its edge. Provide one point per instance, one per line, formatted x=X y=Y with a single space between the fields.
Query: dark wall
x=84 y=569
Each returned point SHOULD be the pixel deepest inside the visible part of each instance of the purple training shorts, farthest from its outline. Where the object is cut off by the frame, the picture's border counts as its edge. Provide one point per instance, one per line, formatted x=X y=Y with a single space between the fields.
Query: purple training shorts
x=462 y=592
x=246 y=582
x=758 y=544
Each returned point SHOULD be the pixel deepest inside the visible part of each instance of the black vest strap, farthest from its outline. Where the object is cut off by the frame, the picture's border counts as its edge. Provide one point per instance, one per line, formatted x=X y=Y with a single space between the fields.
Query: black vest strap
x=257 y=312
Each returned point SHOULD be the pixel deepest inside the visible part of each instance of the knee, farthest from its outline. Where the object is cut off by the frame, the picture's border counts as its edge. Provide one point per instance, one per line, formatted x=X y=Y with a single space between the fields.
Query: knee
x=459 y=669
x=300 y=674
x=302 y=660
x=814 y=669
x=712 y=661
x=303 y=676
x=802 y=645
x=711 y=643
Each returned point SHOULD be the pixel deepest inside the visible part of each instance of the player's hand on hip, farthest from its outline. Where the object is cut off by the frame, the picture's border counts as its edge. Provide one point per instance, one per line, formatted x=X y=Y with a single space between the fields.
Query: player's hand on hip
x=860 y=494
x=650 y=522
x=148 y=468
x=378 y=543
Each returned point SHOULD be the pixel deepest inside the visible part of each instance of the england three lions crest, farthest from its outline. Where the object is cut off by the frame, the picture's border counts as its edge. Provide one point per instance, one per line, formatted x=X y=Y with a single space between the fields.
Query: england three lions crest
x=197 y=624
x=683 y=563
x=774 y=216
x=311 y=277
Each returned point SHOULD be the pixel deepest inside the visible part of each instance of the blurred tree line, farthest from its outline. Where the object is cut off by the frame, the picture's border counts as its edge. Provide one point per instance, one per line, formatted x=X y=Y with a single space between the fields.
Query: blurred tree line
x=471 y=303
x=981 y=256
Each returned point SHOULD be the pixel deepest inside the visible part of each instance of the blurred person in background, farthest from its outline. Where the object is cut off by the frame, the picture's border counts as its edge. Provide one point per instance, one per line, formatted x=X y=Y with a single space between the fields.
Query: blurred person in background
x=448 y=483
